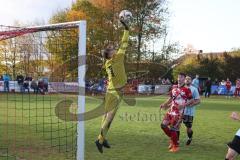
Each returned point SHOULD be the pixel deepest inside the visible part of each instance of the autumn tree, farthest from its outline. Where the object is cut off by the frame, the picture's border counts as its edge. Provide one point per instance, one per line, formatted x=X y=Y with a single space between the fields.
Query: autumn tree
x=103 y=27
x=150 y=21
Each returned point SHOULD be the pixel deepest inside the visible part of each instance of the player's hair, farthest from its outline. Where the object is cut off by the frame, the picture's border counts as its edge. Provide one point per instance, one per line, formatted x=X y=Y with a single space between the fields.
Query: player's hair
x=189 y=76
x=109 y=48
x=106 y=52
x=182 y=74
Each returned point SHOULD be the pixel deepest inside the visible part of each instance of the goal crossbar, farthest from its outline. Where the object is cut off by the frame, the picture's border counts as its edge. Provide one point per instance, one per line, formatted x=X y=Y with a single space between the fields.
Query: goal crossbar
x=19 y=31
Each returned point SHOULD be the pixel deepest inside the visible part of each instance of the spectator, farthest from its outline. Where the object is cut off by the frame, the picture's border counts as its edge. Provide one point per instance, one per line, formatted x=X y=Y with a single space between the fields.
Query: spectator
x=1 y=78
x=101 y=84
x=228 y=85
x=147 y=82
x=105 y=84
x=195 y=81
x=34 y=86
x=28 y=78
x=20 y=80
x=6 y=79
x=40 y=86
x=168 y=81
x=208 y=87
x=45 y=86
x=222 y=83
x=216 y=82
x=159 y=80
x=153 y=85
x=163 y=81
x=135 y=83
x=26 y=86
x=237 y=90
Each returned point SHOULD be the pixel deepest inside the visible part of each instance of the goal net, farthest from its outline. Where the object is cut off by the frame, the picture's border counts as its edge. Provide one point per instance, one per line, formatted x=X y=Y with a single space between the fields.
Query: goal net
x=39 y=71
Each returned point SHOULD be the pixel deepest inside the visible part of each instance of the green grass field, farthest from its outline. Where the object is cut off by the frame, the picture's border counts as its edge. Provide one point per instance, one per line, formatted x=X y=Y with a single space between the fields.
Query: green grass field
x=136 y=133
x=33 y=132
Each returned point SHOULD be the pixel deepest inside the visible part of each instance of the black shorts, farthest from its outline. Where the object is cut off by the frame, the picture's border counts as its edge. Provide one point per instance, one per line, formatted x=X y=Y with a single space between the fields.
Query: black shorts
x=235 y=144
x=188 y=120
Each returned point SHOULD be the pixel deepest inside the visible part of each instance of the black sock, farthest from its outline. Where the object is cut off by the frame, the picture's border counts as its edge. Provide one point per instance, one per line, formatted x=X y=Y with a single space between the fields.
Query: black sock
x=226 y=158
x=190 y=134
x=178 y=134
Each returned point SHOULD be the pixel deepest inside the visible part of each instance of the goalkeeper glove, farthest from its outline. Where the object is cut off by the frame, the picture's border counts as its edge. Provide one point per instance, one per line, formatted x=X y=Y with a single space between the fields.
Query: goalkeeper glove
x=124 y=24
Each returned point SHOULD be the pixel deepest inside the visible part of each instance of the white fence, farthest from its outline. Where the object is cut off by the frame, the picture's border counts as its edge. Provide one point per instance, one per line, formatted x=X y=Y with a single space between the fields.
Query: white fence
x=72 y=87
x=53 y=87
x=156 y=89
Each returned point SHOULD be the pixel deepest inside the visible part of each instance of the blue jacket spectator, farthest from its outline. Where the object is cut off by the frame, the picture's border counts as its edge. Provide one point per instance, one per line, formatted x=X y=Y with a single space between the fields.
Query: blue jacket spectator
x=6 y=79
x=195 y=82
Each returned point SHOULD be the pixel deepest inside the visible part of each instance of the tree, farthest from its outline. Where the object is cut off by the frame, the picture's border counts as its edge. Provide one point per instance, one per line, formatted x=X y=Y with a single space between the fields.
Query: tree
x=230 y=66
x=150 y=21
x=209 y=65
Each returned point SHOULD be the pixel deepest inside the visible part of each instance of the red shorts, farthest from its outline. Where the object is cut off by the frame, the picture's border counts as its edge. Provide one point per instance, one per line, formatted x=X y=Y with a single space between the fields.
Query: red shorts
x=237 y=91
x=173 y=119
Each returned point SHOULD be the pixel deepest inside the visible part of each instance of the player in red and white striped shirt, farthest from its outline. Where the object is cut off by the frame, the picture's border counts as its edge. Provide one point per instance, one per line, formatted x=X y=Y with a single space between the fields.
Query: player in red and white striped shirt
x=180 y=97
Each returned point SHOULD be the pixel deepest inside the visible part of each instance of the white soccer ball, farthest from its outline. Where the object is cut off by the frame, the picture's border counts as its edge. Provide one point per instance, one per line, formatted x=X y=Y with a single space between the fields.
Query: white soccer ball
x=125 y=15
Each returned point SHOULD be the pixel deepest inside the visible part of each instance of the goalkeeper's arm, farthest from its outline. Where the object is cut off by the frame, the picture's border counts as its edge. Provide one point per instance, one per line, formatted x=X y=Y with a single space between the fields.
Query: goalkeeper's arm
x=125 y=38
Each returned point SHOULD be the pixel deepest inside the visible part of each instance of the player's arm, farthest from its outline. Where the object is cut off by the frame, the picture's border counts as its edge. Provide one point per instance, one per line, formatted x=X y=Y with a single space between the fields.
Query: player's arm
x=235 y=116
x=193 y=102
x=196 y=100
x=190 y=101
x=166 y=104
x=125 y=39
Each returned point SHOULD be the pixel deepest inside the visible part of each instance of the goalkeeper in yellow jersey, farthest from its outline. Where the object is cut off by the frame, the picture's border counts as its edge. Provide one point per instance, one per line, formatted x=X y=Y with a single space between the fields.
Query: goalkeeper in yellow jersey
x=117 y=78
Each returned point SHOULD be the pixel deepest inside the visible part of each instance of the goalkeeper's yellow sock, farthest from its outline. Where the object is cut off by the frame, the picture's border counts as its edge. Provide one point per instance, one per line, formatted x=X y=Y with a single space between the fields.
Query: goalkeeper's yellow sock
x=101 y=139
x=104 y=130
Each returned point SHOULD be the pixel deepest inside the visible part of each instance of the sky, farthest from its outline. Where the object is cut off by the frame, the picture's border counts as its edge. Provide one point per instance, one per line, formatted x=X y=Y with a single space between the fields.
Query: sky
x=29 y=10
x=208 y=25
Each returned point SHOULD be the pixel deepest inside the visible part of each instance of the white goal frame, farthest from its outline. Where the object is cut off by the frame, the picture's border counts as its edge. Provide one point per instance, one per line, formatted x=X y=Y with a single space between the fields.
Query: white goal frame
x=81 y=82
x=82 y=27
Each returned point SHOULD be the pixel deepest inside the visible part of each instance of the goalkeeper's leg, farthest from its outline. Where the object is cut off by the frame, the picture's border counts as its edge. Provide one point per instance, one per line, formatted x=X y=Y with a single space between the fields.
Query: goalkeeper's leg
x=112 y=100
x=106 y=123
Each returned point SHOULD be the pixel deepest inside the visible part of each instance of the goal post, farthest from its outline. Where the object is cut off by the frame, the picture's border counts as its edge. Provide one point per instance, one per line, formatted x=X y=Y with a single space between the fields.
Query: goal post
x=55 y=54
x=81 y=82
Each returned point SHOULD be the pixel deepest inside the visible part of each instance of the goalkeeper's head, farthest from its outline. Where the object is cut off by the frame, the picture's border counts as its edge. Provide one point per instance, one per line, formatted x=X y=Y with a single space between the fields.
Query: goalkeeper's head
x=109 y=52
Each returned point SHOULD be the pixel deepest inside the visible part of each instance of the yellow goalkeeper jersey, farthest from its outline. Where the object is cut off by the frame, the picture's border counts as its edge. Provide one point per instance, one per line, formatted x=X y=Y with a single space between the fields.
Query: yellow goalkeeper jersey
x=115 y=66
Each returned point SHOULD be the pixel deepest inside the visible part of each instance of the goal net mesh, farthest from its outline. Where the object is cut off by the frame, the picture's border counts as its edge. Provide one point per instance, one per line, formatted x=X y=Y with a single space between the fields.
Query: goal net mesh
x=38 y=68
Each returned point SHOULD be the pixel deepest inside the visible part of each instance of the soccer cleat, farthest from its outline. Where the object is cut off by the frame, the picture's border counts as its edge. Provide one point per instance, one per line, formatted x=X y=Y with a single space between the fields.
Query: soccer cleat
x=188 y=141
x=99 y=146
x=106 y=144
x=174 y=149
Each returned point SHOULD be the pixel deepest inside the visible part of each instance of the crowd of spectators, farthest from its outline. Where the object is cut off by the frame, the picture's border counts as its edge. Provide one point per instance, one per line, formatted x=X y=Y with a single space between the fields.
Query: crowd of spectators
x=95 y=86
x=223 y=87
x=26 y=83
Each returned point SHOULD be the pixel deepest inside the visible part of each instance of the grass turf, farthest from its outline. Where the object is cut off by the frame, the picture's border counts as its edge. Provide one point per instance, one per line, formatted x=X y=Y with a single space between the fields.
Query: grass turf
x=136 y=133
x=32 y=130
